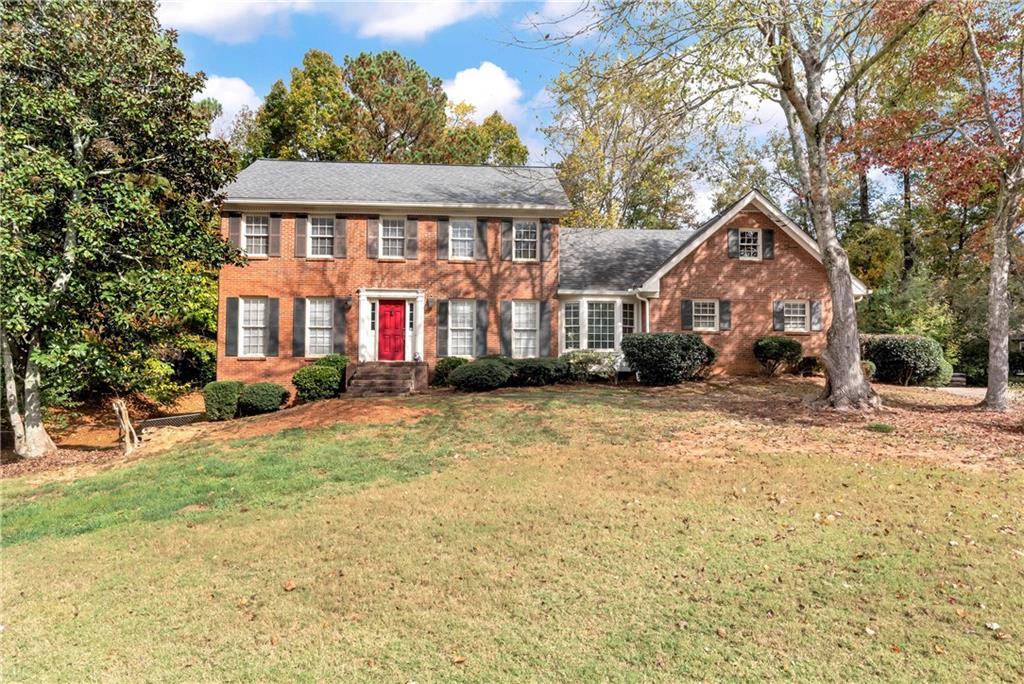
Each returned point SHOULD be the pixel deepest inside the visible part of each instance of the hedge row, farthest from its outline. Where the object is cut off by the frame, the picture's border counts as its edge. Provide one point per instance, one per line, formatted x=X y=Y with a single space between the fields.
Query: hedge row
x=667 y=358
x=492 y=372
x=226 y=399
x=906 y=359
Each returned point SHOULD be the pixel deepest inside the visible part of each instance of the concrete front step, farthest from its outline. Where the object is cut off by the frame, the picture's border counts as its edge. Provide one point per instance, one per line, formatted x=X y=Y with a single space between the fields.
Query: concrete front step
x=379 y=379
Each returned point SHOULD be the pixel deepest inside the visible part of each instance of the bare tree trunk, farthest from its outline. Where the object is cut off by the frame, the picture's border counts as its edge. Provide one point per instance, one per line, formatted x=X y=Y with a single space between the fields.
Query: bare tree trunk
x=907 y=235
x=127 y=433
x=997 y=394
x=11 y=394
x=37 y=439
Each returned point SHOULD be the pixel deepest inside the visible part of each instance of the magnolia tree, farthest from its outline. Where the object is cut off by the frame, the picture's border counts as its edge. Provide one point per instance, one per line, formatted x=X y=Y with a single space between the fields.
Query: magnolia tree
x=788 y=51
x=105 y=197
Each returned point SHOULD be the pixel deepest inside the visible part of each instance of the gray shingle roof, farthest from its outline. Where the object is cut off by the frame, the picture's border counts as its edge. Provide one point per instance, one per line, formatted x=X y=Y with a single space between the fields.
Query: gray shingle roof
x=399 y=184
x=601 y=259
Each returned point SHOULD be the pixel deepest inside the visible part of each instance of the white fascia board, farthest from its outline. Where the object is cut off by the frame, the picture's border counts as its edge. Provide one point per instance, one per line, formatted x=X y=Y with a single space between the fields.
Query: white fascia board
x=441 y=208
x=765 y=205
x=594 y=293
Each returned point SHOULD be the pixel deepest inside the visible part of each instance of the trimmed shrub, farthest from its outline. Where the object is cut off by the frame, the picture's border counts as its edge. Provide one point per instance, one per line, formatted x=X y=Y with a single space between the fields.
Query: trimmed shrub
x=316 y=382
x=941 y=376
x=775 y=352
x=221 y=398
x=500 y=358
x=537 y=372
x=444 y=367
x=261 y=397
x=905 y=359
x=481 y=376
x=868 y=369
x=585 y=365
x=339 y=362
x=808 y=365
x=667 y=358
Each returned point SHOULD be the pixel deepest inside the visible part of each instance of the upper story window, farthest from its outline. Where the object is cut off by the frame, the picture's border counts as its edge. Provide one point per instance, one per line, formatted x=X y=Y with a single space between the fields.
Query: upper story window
x=628 y=318
x=319 y=326
x=253 y=323
x=461 y=238
x=601 y=326
x=321 y=236
x=461 y=326
x=571 y=320
x=256 y=238
x=705 y=314
x=794 y=316
x=525 y=234
x=392 y=238
x=525 y=324
x=750 y=244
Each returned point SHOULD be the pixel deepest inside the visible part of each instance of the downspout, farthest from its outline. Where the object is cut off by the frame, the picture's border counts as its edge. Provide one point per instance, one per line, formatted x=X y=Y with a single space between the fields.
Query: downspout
x=647 y=309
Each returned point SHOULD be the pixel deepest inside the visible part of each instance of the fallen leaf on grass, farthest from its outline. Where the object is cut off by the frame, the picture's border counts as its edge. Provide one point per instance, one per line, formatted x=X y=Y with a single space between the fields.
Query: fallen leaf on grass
x=290 y=585
x=458 y=660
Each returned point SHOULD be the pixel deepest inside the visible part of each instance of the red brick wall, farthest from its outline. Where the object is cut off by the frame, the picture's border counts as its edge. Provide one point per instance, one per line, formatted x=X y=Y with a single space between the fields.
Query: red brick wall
x=751 y=286
x=287 y=277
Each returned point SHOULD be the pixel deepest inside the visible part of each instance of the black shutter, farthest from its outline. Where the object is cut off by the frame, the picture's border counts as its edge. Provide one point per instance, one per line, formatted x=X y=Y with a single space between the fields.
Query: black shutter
x=506 y=328
x=544 y=334
x=686 y=314
x=768 y=244
x=442 y=238
x=272 y=330
x=545 y=241
x=816 y=315
x=372 y=237
x=341 y=307
x=412 y=239
x=298 y=327
x=481 y=328
x=274 y=240
x=506 y=239
x=480 y=243
x=300 y=235
x=235 y=230
x=724 y=314
x=778 y=316
x=340 y=237
x=442 y=328
x=231 y=328
x=734 y=243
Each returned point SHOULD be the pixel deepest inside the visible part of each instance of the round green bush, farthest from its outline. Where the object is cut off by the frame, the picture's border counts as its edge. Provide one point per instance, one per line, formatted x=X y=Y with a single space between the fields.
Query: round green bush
x=808 y=365
x=905 y=359
x=941 y=376
x=775 y=352
x=261 y=397
x=500 y=358
x=481 y=376
x=667 y=358
x=221 y=398
x=316 y=382
x=868 y=369
x=339 y=362
x=538 y=372
x=584 y=365
x=444 y=367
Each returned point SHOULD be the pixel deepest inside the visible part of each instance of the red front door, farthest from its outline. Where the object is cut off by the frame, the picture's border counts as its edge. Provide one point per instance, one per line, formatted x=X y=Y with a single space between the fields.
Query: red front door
x=391 y=331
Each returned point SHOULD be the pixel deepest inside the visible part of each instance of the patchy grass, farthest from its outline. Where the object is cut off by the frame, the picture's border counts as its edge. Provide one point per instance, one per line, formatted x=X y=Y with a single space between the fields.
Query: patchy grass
x=579 y=534
x=884 y=428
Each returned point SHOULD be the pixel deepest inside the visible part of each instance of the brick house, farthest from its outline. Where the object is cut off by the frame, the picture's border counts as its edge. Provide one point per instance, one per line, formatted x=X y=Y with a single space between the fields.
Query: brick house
x=397 y=265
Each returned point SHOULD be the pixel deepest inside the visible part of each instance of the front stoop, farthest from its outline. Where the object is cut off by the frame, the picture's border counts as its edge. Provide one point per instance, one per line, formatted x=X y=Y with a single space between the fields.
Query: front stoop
x=386 y=379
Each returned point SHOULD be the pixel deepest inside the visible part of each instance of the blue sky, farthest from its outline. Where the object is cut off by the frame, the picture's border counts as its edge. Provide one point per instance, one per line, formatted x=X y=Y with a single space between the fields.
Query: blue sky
x=244 y=46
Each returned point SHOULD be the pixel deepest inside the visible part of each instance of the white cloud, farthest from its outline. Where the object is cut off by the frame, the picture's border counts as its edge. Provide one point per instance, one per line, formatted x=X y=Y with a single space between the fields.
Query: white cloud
x=228 y=21
x=233 y=94
x=235 y=21
x=488 y=88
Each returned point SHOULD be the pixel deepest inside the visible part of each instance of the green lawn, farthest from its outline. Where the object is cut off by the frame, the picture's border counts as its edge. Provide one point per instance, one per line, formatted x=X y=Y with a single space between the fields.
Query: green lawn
x=578 y=534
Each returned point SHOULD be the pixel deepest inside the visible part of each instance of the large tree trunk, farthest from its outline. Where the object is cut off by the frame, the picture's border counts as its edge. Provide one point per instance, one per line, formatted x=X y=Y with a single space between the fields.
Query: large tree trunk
x=846 y=387
x=997 y=394
x=11 y=399
x=25 y=407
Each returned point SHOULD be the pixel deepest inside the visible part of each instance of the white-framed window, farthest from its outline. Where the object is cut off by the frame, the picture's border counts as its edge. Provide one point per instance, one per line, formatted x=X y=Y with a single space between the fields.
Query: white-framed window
x=525 y=324
x=256 y=235
x=321 y=236
x=705 y=314
x=319 y=326
x=795 y=316
x=373 y=316
x=601 y=326
x=252 y=326
x=628 y=318
x=392 y=237
x=571 y=321
x=461 y=326
x=461 y=238
x=524 y=240
x=410 y=313
x=750 y=244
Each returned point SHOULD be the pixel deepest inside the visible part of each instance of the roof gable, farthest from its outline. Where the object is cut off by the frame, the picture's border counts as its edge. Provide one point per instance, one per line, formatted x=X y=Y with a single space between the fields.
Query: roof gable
x=705 y=231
